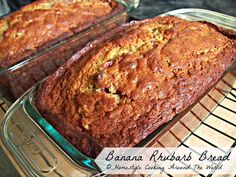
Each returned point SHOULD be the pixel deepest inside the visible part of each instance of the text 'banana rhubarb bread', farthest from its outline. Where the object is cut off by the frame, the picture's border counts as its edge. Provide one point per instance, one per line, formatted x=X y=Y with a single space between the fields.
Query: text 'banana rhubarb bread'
x=117 y=91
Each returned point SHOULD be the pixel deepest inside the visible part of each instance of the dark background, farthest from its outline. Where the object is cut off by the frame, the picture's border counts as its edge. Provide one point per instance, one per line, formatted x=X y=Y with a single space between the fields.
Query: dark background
x=151 y=8
x=16 y=4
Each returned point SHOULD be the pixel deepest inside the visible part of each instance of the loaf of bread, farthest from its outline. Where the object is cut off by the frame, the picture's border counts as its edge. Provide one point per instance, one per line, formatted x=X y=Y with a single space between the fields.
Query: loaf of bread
x=44 y=22
x=39 y=25
x=122 y=87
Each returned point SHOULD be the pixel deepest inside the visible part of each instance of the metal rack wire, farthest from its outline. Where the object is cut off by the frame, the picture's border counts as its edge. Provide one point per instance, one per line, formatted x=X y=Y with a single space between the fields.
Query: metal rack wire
x=212 y=122
x=3 y=108
x=202 y=122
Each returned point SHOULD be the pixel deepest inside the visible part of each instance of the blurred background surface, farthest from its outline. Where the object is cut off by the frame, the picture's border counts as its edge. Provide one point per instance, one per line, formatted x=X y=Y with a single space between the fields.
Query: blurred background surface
x=151 y=8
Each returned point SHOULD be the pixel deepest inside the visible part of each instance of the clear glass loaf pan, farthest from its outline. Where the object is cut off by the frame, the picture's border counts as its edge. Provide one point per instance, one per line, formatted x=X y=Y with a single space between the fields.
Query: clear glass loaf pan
x=41 y=151
x=18 y=78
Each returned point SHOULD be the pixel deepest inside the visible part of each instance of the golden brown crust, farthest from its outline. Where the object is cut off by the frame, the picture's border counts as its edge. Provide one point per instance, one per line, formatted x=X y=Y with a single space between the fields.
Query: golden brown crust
x=44 y=22
x=118 y=92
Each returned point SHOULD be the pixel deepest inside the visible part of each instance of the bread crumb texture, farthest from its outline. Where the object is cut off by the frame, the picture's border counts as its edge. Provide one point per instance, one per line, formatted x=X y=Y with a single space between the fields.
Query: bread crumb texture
x=45 y=20
x=130 y=85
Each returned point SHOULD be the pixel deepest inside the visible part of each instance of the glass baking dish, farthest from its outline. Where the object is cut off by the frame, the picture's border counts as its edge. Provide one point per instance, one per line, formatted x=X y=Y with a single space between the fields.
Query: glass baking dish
x=18 y=78
x=41 y=151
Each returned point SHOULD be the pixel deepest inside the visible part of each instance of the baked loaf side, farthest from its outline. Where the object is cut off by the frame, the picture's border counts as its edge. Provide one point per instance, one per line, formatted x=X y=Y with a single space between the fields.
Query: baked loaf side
x=115 y=93
x=44 y=22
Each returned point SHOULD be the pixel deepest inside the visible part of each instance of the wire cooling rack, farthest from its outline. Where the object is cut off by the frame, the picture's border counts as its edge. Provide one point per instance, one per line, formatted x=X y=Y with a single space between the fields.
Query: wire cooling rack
x=3 y=109
x=210 y=123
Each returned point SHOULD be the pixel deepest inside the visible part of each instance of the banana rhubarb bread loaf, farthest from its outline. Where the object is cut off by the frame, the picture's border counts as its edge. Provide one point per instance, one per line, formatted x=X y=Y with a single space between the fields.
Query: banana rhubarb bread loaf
x=120 y=88
x=41 y=24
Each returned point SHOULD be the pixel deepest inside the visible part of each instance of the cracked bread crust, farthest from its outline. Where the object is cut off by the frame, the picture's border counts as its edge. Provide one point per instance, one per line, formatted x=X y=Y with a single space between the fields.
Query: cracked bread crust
x=115 y=92
x=44 y=22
